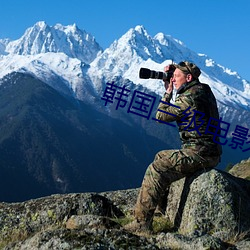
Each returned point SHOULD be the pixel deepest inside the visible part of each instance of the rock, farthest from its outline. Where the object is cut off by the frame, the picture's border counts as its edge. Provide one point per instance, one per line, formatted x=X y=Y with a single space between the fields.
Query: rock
x=20 y=220
x=209 y=211
x=124 y=199
x=63 y=239
x=90 y=221
x=178 y=241
x=212 y=202
x=241 y=169
x=243 y=245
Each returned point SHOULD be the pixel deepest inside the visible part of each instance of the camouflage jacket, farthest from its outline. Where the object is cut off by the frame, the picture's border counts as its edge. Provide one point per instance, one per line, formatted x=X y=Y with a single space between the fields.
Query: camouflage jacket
x=192 y=109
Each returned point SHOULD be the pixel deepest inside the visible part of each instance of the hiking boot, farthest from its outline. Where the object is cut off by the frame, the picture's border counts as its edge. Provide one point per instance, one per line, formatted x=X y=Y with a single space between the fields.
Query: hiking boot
x=140 y=227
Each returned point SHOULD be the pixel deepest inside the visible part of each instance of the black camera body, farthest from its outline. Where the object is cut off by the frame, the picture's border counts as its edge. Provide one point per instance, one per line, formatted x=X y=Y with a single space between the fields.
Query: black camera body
x=145 y=73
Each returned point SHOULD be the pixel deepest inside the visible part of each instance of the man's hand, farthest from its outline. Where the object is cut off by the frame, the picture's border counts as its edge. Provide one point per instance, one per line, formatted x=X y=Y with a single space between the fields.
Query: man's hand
x=168 y=85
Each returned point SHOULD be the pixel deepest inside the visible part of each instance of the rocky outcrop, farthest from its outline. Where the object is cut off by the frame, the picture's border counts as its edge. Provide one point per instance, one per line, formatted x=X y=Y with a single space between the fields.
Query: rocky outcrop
x=209 y=210
x=241 y=169
x=211 y=202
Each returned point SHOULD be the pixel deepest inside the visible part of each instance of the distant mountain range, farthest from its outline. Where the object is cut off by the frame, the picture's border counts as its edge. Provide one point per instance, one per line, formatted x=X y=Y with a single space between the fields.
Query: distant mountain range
x=56 y=134
x=52 y=143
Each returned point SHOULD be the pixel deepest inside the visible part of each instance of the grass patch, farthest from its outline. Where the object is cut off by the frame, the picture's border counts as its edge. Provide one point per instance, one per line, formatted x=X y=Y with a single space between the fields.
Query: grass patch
x=123 y=220
x=15 y=236
x=162 y=224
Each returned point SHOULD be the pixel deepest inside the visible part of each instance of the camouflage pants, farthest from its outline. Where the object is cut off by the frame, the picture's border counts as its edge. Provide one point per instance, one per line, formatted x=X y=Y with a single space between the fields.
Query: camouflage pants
x=167 y=167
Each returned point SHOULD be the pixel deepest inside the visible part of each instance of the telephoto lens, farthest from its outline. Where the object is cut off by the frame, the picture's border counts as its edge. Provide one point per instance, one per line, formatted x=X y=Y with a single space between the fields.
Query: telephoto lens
x=147 y=73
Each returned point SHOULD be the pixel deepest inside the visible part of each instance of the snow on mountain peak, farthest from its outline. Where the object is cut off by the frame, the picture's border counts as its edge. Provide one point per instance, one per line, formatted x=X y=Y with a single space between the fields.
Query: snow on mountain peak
x=41 y=24
x=166 y=40
x=124 y=58
x=140 y=29
x=136 y=49
x=42 y=38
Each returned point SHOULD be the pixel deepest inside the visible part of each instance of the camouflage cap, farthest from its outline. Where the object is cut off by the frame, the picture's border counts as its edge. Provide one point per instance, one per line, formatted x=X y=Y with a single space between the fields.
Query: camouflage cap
x=189 y=68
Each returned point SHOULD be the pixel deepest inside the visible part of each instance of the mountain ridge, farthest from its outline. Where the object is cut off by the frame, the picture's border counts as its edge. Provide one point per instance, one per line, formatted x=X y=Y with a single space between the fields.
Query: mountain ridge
x=42 y=38
x=146 y=51
x=135 y=49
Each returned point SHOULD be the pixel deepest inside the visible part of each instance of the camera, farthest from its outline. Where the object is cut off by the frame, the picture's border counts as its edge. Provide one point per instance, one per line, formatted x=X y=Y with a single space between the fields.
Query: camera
x=145 y=73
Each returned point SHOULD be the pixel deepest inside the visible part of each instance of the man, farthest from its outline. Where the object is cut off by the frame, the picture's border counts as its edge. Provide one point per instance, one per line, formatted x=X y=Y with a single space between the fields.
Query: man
x=195 y=111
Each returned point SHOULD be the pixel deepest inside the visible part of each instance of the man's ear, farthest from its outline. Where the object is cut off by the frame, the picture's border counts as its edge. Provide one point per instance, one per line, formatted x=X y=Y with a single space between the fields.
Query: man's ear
x=189 y=77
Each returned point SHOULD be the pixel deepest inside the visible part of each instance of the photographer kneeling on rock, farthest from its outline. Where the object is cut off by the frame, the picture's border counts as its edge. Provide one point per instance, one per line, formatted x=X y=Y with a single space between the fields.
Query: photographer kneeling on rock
x=194 y=108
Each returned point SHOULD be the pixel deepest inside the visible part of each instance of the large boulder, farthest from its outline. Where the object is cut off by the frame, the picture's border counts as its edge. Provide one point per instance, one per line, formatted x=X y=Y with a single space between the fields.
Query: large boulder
x=19 y=221
x=210 y=202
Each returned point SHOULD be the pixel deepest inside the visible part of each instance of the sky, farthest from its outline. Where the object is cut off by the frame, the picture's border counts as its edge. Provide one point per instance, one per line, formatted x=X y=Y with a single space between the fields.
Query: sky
x=217 y=28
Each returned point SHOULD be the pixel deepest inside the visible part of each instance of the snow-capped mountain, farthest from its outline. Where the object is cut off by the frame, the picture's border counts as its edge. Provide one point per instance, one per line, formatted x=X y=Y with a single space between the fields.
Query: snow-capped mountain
x=137 y=49
x=64 y=73
x=73 y=56
x=70 y=40
x=57 y=55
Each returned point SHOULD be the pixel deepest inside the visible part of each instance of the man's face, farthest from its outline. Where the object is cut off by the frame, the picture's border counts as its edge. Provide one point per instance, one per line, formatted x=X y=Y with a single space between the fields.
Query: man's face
x=179 y=78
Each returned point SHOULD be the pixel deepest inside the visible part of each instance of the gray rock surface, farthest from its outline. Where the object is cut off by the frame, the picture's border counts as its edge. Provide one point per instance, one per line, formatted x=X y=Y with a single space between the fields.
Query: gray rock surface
x=209 y=211
x=241 y=169
x=212 y=202
x=178 y=241
x=243 y=245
